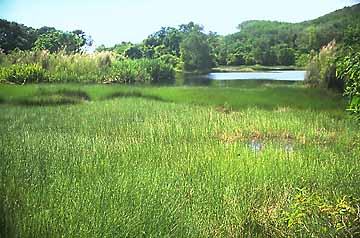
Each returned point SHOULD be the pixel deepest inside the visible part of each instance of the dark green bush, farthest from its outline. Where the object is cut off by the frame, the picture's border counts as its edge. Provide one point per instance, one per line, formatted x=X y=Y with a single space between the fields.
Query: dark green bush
x=23 y=73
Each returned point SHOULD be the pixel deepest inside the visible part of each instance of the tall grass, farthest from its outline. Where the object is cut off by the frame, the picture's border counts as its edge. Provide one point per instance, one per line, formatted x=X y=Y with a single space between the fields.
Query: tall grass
x=82 y=68
x=131 y=167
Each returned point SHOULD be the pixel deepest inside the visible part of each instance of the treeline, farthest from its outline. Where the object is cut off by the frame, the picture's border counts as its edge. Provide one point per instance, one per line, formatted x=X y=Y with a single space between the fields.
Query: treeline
x=14 y=36
x=257 y=42
x=29 y=55
x=187 y=47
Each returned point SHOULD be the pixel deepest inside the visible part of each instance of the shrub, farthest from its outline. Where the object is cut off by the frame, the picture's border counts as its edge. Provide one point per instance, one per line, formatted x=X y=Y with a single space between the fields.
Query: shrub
x=322 y=67
x=312 y=75
x=312 y=213
x=170 y=59
x=19 y=67
x=302 y=60
x=141 y=71
x=348 y=68
x=23 y=73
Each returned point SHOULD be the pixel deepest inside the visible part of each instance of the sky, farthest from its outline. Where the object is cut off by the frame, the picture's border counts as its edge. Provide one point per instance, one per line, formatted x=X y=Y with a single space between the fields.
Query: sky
x=113 y=21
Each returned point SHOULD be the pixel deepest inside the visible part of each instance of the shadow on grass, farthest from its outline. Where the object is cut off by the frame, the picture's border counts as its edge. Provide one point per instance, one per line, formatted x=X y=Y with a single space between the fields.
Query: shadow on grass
x=135 y=94
x=60 y=97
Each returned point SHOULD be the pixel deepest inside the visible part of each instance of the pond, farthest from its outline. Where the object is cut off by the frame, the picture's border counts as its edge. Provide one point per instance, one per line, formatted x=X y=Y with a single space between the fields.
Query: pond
x=287 y=75
x=237 y=78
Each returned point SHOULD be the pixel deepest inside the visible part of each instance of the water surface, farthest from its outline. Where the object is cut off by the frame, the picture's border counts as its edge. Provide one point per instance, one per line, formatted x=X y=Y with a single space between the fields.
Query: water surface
x=232 y=79
x=287 y=75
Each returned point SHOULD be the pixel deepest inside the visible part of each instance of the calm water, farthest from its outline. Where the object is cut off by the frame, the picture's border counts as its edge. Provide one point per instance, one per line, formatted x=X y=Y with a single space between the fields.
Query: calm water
x=287 y=75
x=238 y=78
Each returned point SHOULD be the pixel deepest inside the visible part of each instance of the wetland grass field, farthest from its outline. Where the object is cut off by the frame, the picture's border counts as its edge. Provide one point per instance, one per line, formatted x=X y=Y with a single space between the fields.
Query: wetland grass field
x=269 y=160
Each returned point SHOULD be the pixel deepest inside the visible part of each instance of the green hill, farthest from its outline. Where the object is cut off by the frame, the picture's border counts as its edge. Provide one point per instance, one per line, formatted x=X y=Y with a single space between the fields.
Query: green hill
x=273 y=42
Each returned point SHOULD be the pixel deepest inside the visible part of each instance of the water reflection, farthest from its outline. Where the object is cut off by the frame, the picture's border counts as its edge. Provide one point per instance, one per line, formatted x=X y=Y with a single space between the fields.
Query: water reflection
x=238 y=79
x=287 y=75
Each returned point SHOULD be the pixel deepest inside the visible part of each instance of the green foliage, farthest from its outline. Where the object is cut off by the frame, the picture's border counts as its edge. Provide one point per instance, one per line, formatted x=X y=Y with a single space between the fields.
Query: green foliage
x=311 y=213
x=235 y=59
x=171 y=60
x=56 y=41
x=312 y=76
x=286 y=56
x=23 y=73
x=348 y=68
x=16 y=36
x=272 y=43
x=322 y=67
x=98 y=67
x=195 y=52
x=302 y=60
x=133 y=52
x=141 y=71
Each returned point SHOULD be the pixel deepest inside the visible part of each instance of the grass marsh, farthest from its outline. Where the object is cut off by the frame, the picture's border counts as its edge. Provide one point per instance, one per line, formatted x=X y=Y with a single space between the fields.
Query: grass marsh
x=121 y=164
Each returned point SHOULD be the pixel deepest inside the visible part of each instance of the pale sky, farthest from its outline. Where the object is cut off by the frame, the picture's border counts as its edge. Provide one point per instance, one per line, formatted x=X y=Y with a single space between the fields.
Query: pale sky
x=114 y=21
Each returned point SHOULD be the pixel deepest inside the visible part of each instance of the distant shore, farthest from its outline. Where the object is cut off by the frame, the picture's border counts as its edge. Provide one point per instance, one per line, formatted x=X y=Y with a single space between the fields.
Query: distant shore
x=252 y=68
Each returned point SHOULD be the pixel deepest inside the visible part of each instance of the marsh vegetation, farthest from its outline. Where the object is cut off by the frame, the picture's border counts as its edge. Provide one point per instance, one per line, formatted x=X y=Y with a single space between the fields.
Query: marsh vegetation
x=133 y=141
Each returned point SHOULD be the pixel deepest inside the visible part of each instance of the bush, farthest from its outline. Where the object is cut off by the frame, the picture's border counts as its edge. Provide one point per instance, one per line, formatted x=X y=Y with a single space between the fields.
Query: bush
x=312 y=75
x=19 y=67
x=302 y=60
x=322 y=67
x=23 y=73
x=348 y=68
x=309 y=212
x=170 y=59
x=141 y=71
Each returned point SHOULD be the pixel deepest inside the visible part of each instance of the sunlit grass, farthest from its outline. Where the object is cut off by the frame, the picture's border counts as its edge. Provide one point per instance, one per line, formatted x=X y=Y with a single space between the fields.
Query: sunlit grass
x=177 y=167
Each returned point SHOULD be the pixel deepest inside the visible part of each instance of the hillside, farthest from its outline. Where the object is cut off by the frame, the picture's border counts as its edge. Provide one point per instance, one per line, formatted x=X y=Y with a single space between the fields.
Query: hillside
x=263 y=41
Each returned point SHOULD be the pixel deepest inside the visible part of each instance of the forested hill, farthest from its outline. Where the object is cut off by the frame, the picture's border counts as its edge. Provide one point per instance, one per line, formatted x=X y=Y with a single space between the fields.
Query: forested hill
x=272 y=42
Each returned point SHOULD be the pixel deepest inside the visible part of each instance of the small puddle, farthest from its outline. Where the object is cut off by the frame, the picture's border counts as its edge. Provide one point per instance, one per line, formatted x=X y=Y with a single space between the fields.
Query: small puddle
x=288 y=147
x=259 y=145
x=256 y=145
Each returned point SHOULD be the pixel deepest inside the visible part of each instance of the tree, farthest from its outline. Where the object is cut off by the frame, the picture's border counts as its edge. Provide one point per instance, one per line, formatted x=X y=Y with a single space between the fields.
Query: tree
x=86 y=40
x=286 y=56
x=195 y=52
x=168 y=39
x=16 y=36
x=56 y=41
x=133 y=52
